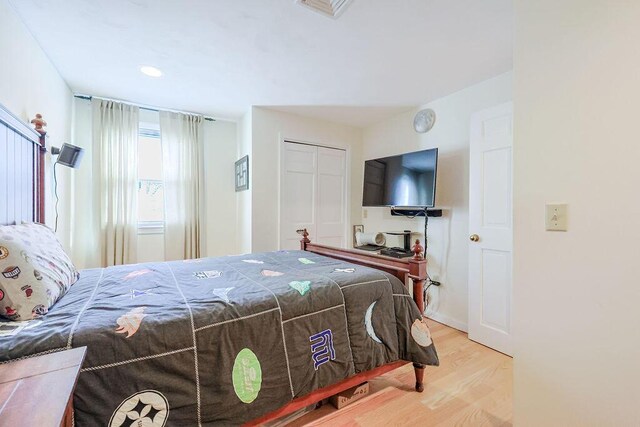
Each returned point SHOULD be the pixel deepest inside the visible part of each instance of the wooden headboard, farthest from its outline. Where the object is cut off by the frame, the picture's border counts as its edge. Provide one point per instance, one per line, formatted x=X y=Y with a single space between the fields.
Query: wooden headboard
x=22 y=151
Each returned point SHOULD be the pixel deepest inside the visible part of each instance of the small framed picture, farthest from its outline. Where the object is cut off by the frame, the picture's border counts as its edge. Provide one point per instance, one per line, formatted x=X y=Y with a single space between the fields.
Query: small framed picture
x=242 y=174
x=357 y=229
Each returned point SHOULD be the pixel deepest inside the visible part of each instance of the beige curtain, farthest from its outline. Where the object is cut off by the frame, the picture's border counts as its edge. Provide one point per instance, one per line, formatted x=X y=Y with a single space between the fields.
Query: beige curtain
x=181 y=135
x=115 y=144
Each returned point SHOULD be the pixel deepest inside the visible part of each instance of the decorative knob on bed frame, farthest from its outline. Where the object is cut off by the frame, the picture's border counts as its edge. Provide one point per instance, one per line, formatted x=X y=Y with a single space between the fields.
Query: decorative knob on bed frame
x=305 y=237
x=418 y=250
x=39 y=124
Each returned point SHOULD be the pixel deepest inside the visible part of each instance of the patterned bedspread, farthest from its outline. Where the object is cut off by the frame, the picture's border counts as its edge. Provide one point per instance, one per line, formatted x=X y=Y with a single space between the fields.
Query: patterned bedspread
x=221 y=341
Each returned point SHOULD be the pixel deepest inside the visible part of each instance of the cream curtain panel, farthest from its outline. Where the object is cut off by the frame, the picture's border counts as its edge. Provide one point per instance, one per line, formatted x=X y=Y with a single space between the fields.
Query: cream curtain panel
x=115 y=144
x=181 y=135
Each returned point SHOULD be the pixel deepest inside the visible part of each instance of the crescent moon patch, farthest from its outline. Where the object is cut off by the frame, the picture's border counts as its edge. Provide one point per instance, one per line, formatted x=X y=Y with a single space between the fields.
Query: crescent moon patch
x=367 y=323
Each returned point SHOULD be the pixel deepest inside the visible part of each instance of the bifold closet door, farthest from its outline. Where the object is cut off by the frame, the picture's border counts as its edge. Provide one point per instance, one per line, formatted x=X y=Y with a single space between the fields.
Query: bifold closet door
x=299 y=171
x=331 y=204
x=312 y=194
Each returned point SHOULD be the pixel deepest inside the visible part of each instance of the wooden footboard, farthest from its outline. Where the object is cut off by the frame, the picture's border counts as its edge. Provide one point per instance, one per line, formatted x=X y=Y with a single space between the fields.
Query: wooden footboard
x=323 y=393
x=405 y=269
x=414 y=268
x=408 y=269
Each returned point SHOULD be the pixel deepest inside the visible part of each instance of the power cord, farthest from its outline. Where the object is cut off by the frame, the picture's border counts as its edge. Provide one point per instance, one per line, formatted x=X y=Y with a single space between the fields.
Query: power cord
x=55 y=192
x=431 y=282
x=425 y=297
x=426 y=223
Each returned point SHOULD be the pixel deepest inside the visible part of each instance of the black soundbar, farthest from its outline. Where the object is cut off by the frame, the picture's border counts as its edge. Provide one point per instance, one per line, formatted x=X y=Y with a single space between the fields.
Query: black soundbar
x=411 y=212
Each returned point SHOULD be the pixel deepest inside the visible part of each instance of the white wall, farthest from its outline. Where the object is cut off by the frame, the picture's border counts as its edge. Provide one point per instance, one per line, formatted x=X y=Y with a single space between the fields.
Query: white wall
x=576 y=293
x=269 y=127
x=30 y=84
x=85 y=252
x=243 y=198
x=448 y=236
x=220 y=149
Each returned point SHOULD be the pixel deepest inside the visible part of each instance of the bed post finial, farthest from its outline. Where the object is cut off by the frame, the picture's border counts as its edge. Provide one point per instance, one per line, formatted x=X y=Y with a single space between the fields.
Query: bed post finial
x=39 y=124
x=418 y=250
x=305 y=238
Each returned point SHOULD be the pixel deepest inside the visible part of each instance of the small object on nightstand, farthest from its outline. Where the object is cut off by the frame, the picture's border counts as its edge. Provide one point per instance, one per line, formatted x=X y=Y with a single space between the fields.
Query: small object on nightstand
x=396 y=252
x=406 y=237
x=39 y=390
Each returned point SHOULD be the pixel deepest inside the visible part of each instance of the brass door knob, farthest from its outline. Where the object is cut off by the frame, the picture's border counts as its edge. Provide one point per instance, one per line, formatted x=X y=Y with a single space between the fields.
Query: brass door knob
x=474 y=238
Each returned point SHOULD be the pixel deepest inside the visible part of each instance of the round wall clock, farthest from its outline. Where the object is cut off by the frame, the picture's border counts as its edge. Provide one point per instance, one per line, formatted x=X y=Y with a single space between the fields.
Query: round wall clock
x=424 y=120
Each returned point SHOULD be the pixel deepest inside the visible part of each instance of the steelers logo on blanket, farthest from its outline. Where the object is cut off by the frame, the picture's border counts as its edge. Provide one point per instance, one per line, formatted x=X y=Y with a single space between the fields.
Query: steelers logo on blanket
x=146 y=408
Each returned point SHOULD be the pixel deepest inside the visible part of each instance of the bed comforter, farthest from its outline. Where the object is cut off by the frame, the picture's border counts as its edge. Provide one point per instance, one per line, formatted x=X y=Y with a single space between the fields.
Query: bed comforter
x=221 y=341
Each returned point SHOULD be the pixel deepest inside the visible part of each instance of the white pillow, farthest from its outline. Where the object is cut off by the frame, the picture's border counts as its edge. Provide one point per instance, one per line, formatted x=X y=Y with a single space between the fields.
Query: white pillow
x=35 y=272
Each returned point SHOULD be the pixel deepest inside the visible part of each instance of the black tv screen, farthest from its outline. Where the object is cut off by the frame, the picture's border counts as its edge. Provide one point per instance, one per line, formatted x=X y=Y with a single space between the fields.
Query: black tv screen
x=403 y=180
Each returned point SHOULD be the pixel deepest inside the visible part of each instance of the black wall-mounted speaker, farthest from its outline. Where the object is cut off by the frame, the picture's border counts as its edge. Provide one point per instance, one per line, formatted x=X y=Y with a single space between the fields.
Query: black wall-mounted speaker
x=69 y=155
x=431 y=213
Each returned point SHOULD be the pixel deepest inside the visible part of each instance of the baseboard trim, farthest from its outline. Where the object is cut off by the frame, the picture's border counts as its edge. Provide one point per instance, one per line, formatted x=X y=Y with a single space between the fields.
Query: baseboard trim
x=446 y=320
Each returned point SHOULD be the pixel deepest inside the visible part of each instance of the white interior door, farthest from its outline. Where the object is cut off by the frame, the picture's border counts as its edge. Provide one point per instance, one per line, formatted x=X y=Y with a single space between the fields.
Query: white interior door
x=491 y=228
x=331 y=203
x=299 y=171
x=312 y=194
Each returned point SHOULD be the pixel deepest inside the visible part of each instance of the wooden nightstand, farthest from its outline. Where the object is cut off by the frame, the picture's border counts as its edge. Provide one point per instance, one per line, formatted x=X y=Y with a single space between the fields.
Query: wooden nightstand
x=38 y=391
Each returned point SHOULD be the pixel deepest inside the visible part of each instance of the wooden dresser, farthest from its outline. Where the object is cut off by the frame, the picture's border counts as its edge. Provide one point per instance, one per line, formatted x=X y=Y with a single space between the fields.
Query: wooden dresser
x=38 y=391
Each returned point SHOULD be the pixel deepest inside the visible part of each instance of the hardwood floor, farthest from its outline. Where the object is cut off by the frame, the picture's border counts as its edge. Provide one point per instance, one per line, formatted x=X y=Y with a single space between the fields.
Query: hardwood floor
x=471 y=387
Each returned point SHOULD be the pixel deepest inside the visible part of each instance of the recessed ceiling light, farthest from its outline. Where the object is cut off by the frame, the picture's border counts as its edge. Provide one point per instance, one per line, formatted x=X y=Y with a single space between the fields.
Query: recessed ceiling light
x=150 y=71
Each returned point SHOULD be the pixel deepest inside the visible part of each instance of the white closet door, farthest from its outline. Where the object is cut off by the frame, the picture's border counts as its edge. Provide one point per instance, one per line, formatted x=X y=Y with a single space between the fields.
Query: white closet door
x=312 y=195
x=299 y=170
x=331 y=204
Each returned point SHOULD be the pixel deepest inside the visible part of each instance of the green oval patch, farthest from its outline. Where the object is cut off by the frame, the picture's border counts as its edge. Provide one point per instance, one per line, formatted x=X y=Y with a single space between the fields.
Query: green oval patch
x=247 y=376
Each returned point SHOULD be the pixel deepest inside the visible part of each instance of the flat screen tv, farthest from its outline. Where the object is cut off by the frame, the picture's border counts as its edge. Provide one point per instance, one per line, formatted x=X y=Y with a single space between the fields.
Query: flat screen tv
x=404 y=180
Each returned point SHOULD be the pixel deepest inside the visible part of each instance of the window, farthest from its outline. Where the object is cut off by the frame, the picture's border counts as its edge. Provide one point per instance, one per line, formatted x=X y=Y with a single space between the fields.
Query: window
x=150 y=184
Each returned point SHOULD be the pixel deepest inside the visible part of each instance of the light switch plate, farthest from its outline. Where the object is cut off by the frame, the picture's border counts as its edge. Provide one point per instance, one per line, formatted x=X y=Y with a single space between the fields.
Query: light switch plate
x=556 y=217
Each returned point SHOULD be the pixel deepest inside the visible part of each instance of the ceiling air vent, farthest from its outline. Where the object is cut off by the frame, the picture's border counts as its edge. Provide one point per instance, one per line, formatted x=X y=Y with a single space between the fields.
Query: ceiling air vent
x=332 y=8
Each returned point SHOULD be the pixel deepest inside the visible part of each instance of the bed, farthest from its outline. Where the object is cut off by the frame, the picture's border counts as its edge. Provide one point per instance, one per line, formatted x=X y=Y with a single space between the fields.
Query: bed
x=220 y=341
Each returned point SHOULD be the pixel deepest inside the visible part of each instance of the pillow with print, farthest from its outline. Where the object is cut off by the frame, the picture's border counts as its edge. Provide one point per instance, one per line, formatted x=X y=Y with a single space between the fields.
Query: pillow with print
x=35 y=272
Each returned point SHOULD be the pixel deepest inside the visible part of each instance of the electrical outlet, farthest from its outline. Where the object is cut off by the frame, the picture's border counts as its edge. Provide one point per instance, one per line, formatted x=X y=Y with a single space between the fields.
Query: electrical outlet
x=556 y=217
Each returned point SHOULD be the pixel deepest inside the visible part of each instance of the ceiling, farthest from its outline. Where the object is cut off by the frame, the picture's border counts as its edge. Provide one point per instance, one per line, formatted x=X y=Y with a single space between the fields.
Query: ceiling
x=359 y=116
x=220 y=57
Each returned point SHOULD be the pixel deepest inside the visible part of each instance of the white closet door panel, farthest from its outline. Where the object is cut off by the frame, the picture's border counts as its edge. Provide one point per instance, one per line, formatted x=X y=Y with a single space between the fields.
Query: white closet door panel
x=331 y=202
x=298 y=195
x=331 y=161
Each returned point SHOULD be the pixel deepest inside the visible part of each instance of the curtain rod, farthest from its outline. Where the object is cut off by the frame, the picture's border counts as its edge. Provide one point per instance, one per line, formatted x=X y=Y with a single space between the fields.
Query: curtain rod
x=141 y=106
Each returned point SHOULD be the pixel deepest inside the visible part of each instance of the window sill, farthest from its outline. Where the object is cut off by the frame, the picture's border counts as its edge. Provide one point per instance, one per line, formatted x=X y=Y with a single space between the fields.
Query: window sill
x=150 y=228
